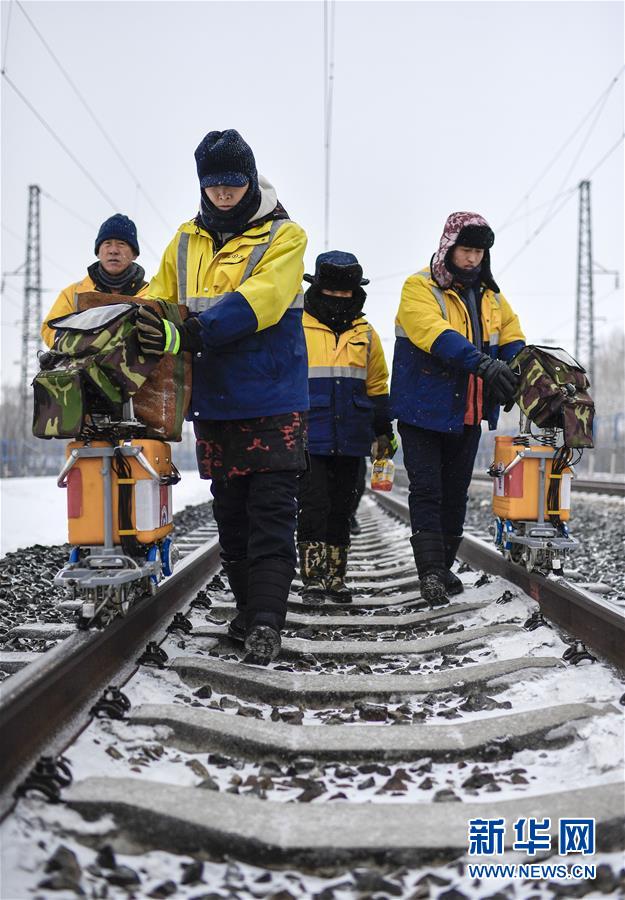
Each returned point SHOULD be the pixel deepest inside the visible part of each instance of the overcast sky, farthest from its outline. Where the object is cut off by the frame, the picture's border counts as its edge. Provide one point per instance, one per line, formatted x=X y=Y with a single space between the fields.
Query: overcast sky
x=438 y=106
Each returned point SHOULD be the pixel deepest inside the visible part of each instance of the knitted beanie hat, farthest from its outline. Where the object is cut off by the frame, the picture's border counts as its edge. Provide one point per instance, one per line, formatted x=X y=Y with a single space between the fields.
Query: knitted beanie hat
x=223 y=157
x=118 y=228
x=336 y=270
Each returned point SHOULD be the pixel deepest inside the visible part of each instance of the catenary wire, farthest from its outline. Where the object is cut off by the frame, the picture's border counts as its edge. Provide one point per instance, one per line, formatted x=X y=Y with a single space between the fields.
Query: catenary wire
x=567 y=197
x=61 y=143
x=48 y=259
x=328 y=41
x=602 y=97
x=94 y=118
x=69 y=210
x=579 y=152
x=6 y=36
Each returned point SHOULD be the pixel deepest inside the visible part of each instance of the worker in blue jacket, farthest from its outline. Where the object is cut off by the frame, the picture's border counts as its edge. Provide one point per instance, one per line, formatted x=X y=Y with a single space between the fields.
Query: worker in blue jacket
x=455 y=333
x=238 y=266
x=348 y=419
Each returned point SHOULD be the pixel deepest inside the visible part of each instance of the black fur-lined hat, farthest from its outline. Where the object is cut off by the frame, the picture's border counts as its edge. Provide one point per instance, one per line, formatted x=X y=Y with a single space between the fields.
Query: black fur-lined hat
x=336 y=270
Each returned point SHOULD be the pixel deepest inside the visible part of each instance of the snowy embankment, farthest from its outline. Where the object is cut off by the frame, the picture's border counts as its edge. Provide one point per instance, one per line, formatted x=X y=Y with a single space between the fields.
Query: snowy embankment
x=34 y=510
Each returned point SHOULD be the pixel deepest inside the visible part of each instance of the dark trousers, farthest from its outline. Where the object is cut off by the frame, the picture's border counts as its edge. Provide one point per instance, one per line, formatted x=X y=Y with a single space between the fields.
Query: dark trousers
x=326 y=498
x=361 y=483
x=439 y=467
x=256 y=515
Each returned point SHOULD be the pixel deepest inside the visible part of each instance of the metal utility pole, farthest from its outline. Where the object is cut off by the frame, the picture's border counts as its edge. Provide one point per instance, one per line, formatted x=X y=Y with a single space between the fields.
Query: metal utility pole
x=584 y=312
x=31 y=318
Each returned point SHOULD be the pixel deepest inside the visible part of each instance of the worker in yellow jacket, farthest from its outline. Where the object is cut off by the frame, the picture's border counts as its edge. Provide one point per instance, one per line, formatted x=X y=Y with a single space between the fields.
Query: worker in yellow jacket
x=348 y=419
x=455 y=335
x=238 y=266
x=115 y=271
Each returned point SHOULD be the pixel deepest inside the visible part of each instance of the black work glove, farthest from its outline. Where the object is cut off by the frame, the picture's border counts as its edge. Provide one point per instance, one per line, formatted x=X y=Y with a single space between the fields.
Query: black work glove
x=157 y=336
x=500 y=382
x=385 y=445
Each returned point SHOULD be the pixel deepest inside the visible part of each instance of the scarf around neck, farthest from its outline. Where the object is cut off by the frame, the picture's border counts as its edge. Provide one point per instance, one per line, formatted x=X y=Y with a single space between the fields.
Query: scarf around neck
x=128 y=282
x=233 y=220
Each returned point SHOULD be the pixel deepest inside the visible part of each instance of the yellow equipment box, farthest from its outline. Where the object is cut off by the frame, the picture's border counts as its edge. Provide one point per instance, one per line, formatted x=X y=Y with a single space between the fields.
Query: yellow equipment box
x=515 y=495
x=151 y=500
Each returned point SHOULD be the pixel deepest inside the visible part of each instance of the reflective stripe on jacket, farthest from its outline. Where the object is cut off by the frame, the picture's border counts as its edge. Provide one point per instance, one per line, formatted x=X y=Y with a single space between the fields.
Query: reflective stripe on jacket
x=247 y=298
x=434 y=353
x=345 y=377
x=65 y=304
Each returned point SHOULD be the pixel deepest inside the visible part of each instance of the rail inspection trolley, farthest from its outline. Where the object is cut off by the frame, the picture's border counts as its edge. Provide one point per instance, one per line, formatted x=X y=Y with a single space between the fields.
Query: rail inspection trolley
x=532 y=471
x=119 y=508
x=119 y=408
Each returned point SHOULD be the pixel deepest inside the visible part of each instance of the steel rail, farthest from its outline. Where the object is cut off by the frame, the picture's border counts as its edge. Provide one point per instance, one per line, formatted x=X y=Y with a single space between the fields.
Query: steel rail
x=46 y=705
x=586 y=618
x=587 y=485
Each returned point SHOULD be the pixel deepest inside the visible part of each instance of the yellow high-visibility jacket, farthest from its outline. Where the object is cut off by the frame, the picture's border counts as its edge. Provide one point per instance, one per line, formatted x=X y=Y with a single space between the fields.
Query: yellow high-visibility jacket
x=247 y=298
x=435 y=353
x=348 y=386
x=65 y=304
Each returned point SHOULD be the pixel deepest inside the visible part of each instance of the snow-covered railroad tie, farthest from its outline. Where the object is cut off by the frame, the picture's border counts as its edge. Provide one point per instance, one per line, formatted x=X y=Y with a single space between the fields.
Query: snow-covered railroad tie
x=351 y=766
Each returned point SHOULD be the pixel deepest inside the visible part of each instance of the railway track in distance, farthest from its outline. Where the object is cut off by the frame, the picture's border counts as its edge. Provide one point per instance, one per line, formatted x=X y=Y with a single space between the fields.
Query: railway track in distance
x=357 y=758
x=587 y=485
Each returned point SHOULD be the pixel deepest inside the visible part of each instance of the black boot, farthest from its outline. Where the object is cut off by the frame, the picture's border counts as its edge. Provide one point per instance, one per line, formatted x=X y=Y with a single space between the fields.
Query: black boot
x=237 y=572
x=354 y=525
x=429 y=555
x=268 y=592
x=453 y=585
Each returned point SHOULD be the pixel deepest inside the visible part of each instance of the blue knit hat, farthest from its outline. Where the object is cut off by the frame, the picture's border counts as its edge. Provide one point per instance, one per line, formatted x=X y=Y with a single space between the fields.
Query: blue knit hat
x=223 y=157
x=118 y=228
x=337 y=270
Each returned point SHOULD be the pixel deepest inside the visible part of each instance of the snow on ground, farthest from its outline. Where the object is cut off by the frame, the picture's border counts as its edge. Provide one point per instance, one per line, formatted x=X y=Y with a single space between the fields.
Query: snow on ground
x=33 y=510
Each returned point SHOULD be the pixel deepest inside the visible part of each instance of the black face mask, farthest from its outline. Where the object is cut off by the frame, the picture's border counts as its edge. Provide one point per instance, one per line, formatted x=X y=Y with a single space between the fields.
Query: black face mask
x=338 y=313
x=234 y=220
x=466 y=277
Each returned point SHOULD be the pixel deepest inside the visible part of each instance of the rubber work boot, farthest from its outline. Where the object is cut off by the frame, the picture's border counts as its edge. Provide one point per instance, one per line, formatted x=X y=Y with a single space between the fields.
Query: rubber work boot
x=313 y=563
x=268 y=592
x=237 y=572
x=429 y=556
x=262 y=643
x=453 y=585
x=335 y=579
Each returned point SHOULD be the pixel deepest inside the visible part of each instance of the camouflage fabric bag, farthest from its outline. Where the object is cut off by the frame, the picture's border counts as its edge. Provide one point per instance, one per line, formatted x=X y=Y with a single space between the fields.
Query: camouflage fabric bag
x=94 y=367
x=553 y=393
x=162 y=402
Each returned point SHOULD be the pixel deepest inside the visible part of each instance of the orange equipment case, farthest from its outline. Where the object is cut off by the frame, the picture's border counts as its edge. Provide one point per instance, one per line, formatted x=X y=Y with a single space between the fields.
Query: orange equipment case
x=515 y=495
x=151 y=501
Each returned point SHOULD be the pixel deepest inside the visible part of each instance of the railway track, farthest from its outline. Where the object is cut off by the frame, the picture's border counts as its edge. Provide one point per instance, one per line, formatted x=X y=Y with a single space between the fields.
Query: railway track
x=586 y=485
x=356 y=759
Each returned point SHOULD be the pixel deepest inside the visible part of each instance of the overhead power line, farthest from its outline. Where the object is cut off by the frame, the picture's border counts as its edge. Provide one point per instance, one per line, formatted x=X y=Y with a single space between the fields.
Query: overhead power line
x=328 y=91
x=49 y=259
x=70 y=211
x=600 y=101
x=6 y=36
x=567 y=195
x=61 y=143
x=89 y=109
